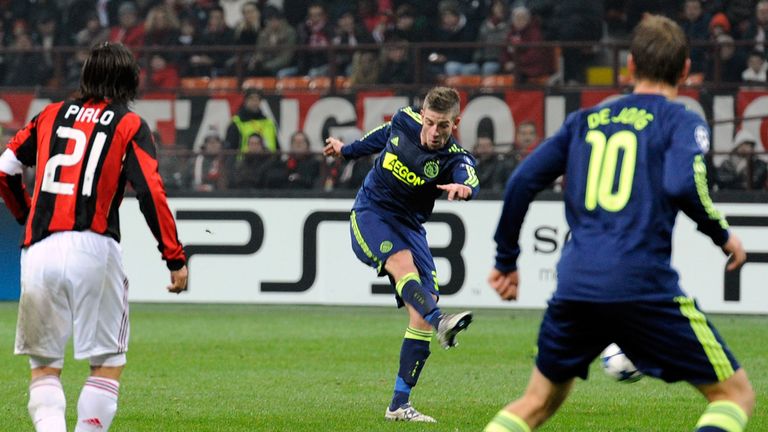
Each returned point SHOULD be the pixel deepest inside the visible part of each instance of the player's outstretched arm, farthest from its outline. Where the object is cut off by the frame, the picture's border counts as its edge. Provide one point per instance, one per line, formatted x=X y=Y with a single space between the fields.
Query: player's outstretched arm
x=178 y=280
x=735 y=251
x=456 y=191
x=333 y=147
x=505 y=284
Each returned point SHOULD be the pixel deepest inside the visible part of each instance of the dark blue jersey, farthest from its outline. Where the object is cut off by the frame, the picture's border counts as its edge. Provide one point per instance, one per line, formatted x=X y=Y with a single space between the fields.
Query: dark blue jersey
x=405 y=175
x=629 y=166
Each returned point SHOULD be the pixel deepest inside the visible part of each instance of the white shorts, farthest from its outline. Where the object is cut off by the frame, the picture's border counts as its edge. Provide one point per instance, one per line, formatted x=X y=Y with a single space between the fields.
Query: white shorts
x=73 y=283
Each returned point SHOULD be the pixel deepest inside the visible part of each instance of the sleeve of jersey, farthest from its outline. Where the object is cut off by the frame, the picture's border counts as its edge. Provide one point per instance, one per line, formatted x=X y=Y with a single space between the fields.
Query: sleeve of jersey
x=465 y=174
x=12 y=189
x=22 y=150
x=537 y=171
x=372 y=142
x=685 y=179
x=141 y=171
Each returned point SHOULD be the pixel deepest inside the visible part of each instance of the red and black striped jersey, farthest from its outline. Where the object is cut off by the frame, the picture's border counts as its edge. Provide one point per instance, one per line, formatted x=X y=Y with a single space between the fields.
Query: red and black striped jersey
x=85 y=152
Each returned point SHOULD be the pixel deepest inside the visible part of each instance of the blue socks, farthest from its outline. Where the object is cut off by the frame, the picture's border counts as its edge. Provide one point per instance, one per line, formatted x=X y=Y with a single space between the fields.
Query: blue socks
x=410 y=290
x=413 y=355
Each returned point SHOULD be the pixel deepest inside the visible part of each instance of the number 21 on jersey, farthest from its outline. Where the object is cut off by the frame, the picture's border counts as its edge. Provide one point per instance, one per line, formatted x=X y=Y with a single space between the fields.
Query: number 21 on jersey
x=603 y=167
x=70 y=159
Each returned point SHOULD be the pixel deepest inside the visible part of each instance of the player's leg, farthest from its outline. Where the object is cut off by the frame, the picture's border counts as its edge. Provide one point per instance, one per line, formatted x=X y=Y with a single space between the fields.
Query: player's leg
x=413 y=356
x=408 y=285
x=680 y=344
x=47 y=403
x=414 y=271
x=43 y=328
x=540 y=401
x=730 y=404
x=97 y=404
x=571 y=335
x=101 y=330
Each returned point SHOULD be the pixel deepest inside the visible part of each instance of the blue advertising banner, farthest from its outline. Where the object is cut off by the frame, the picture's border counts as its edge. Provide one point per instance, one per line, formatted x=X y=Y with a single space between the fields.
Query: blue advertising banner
x=10 y=233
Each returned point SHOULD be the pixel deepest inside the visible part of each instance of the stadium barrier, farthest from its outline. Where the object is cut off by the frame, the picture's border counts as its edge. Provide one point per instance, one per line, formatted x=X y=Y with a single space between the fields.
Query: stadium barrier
x=297 y=251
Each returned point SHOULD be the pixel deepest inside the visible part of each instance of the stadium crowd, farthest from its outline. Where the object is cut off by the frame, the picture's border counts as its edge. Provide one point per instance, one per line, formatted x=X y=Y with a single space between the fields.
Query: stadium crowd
x=175 y=39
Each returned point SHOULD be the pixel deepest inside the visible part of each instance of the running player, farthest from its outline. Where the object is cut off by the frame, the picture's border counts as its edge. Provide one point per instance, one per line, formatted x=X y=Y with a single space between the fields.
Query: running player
x=631 y=165
x=72 y=278
x=419 y=159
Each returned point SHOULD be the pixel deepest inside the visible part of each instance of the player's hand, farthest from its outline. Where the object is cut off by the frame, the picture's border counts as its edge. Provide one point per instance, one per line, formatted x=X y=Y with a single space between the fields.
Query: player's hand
x=505 y=284
x=178 y=280
x=332 y=147
x=456 y=191
x=735 y=251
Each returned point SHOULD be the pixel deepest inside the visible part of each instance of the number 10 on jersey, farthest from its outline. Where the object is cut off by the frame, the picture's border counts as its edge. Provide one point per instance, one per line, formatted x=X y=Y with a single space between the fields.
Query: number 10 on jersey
x=603 y=167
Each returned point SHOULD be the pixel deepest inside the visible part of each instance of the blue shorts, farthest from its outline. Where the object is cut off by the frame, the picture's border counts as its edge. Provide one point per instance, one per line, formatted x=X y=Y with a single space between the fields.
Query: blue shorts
x=671 y=340
x=377 y=235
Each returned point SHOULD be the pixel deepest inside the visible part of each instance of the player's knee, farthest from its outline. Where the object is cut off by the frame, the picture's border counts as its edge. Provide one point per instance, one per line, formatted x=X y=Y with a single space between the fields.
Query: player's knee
x=746 y=394
x=737 y=389
x=108 y=365
x=46 y=365
x=400 y=262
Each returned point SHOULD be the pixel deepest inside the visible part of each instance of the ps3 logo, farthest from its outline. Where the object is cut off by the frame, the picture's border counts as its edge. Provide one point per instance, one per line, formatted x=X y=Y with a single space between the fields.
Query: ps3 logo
x=450 y=252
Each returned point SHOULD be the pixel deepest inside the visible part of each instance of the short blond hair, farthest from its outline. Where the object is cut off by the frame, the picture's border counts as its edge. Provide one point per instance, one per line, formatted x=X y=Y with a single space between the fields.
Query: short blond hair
x=442 y=100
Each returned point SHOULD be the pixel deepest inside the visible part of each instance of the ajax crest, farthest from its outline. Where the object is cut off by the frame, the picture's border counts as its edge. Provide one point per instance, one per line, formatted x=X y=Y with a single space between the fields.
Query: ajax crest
x=431 y=169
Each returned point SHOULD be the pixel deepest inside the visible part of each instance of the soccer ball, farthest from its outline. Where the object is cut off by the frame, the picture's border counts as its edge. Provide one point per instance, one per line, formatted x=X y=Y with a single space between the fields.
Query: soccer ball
x=618 y=366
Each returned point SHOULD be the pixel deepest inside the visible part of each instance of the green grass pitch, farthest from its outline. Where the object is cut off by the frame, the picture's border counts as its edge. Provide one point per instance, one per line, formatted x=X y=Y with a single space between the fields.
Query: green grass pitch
x=312 y=368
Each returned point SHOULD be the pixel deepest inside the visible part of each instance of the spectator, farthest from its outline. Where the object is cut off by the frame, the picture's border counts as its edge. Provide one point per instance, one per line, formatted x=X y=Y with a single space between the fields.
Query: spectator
x=161 y=28
x=25 y=68
x=75 y=67
x=216 y=33
x=526 y=140
x=493 y=32
x=93 y=33
x=130 y=30
x=526 y=63
x=742 y=170
x=251 y=120
x=758 y=26
x=258 y=167
x=491 y=169
x=47 y=35
x=374 y=16
x=277 y=33
x=757 y=69
x=740 y=14
x=571 y=21
x=452 y=28
x=408 y=25
x=396 y=65
x=353 y=173
x=364 y=69
x=729 y=61
x=187 y=59
x=209 y=167
x=696 y=27
x=173 y=165
x=349 y=33
x=162 y=74
x=247 y=29
x=315 y=32
x=301 y=166
x=718 y=25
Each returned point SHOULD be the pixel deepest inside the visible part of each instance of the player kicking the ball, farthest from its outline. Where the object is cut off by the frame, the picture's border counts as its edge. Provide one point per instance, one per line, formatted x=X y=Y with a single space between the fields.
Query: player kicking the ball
x=72 y=278
x=631 y=165
x=418 y=160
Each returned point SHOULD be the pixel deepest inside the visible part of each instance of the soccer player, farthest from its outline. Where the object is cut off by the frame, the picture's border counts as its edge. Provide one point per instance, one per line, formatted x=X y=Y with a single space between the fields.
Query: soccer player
x=419 y=159
x=72 y=278
x=630 y=166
